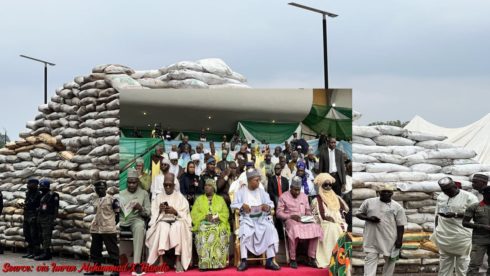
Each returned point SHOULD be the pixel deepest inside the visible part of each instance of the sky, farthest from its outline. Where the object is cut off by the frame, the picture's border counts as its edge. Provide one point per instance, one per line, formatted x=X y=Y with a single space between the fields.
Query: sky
x=401 y=58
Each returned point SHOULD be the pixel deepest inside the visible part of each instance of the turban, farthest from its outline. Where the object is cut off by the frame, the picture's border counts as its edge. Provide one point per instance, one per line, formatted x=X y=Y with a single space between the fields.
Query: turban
x=196 y=157
x=301 y=165
x=322 y=178
x=173 y=155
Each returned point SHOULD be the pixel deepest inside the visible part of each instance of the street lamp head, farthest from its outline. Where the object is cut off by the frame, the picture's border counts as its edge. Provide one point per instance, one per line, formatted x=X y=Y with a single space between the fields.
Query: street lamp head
x=39 y=60
x=324 y=13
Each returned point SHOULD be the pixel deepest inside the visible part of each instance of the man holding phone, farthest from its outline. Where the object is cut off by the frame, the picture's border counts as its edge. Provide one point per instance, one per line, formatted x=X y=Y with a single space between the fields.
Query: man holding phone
x=170 y=226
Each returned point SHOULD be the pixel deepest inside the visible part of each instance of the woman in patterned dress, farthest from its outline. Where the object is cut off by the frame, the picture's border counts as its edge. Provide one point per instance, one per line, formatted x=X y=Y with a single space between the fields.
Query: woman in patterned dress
x=210 y=224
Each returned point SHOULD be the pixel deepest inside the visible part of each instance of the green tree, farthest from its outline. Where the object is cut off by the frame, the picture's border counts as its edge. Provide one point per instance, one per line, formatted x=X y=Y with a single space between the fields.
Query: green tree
x=3 y=139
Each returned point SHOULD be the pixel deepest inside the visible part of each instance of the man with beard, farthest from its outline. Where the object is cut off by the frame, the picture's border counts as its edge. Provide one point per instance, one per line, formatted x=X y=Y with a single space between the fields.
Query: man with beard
x=450 y=236
x=103 y=228
x=47 y=212
x=31 y=229
x=135 y=207
x=383 y=231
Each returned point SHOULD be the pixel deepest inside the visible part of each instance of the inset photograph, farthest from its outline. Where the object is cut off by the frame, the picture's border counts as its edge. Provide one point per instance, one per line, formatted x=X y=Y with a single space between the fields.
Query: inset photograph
x=420 y=195
x=233 y=178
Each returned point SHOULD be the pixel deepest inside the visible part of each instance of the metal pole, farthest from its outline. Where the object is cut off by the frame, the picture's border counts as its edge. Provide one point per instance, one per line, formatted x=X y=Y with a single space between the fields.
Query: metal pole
x=45 y=83
x=325 y=58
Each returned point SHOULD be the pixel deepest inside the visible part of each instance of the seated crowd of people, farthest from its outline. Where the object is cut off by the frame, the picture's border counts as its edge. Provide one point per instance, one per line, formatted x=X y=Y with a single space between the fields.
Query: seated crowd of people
x=185 y=204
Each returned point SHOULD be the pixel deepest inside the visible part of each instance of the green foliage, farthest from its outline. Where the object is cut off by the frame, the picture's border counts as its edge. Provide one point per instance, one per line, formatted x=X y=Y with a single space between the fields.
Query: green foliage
x=397 y=123
x=2 y=140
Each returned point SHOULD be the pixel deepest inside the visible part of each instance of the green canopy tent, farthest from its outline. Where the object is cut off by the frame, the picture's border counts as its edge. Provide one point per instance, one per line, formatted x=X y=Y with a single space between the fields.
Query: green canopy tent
x=271 y=133
x=331 y=120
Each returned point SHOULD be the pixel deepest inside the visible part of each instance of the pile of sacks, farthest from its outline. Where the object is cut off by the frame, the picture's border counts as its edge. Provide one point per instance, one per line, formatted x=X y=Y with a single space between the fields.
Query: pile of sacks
x=412 y=162
x=74 y=141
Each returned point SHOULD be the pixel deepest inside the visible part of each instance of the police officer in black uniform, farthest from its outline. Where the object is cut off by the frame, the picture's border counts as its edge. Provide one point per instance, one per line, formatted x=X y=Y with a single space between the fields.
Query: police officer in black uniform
x=1 y=209
x=31 y=229
x=47 y=212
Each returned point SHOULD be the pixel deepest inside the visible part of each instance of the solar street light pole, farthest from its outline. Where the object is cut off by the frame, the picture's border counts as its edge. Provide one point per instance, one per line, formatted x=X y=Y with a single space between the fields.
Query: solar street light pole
x=324 y=22
x=46 y=63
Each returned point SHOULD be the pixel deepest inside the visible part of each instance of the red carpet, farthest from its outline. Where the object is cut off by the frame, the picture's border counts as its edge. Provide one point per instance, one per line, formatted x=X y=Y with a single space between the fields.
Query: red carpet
x=255 y=271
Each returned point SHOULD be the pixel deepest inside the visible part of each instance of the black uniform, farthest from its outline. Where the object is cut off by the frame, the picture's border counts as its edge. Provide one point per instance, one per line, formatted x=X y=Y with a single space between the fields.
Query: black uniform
x=1 y=209
x=48 y=210
x=31 y=228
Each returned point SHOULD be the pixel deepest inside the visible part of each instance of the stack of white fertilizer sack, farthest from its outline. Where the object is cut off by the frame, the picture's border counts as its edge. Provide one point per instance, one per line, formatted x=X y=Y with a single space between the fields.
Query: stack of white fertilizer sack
x=412 y=162
x=74 y=141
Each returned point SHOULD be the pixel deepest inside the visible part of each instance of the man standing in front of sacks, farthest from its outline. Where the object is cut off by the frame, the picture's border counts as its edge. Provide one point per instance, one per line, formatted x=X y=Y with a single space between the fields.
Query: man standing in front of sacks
x=383 y=232
x=103 y=228
x=479 y=182
x=47 y=212
x=450 y=236
x=1 y=209
x=480 y=214
x=30 y=226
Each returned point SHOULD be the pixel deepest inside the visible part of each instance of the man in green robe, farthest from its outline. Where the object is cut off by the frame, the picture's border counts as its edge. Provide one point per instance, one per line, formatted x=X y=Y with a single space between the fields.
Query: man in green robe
x=210 y=224
x=135 y=205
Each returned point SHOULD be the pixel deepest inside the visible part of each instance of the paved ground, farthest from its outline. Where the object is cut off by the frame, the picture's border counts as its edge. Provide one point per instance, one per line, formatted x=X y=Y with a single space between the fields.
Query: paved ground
x=9 y=259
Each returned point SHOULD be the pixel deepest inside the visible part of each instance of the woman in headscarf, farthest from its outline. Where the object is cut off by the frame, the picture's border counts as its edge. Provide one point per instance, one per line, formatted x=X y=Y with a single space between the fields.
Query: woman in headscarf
x=189 y=183
x=329 y=210
x=210 y=224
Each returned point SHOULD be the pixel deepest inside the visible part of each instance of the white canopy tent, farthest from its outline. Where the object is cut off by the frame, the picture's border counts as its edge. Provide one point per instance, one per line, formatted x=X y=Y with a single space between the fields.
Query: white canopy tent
x=475 y=136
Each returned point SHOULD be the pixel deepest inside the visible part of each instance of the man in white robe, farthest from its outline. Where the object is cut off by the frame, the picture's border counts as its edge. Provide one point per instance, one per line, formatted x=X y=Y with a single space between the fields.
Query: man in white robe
x=257 y=232
x=170 y=226
x=450 y=236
